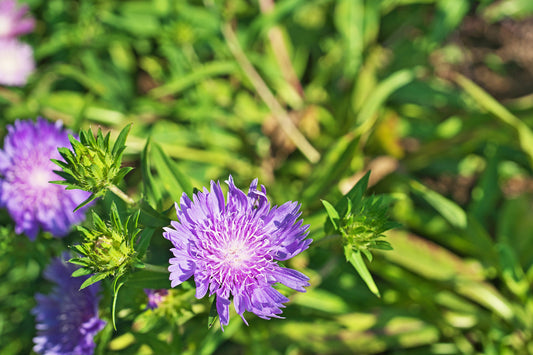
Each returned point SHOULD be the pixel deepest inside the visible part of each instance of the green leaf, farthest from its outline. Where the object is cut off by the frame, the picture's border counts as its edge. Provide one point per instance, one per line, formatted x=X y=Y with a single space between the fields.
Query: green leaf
x=144 y=241
x=120 y=142
x=355 y=195
x=367 y=117
x=59 y=182
x=332 y=214
x=148 y=279
x=489 y=103
x=116 y=288
x=65 y=174
x=382 y=245
x=78 y=261
x=448 y=209
x=200 y=73
x=512 y=272
x=121 y=174
x=115 y=218
x=368 y=254
x=81 y=271
x=86 y=202
x=355 y=258
x=98 y=222
x=151 y=218
x=333 y=165
x=213 y=314
x=169 y=173
x=322 y=300
x=93 y=279
x=78 y=247
x=151 y=190
x=61 y=164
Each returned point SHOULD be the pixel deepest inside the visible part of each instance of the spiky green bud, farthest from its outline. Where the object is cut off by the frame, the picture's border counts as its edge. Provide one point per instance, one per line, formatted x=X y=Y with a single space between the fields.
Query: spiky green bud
x=92 y=164
x=361 y=221
x=107 y=248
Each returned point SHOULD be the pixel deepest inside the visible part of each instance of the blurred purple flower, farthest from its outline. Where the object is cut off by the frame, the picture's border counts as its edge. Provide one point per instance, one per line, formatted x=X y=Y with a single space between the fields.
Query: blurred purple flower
x=16 y=62
x=232 y=248
x=26 y=170
x=13 y=22
x=67 y=318
x=155 y=297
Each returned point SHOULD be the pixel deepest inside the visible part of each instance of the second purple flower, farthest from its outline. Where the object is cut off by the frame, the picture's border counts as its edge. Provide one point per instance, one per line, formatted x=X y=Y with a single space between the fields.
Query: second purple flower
x=25 y=172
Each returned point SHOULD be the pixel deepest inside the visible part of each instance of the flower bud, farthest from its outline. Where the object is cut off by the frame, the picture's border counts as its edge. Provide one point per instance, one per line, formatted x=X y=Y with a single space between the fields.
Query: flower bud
x=92 y=164
x=108 y=249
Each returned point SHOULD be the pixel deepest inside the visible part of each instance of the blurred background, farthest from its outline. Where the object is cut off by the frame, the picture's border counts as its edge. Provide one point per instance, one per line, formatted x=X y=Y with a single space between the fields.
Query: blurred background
x=434 y=96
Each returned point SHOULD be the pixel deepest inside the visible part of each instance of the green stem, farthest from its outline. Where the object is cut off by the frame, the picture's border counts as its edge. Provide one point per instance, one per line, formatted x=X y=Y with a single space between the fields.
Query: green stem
x=121 y=194
x=284 y=121
x=155 y=268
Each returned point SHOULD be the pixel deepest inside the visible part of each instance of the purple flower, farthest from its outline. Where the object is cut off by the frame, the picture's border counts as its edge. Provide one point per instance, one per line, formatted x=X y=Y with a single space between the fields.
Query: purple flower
x=232 y=248
x=155 y=297
x=26 y=170
x=67 y=318
x=12 y=20
x=16 y=62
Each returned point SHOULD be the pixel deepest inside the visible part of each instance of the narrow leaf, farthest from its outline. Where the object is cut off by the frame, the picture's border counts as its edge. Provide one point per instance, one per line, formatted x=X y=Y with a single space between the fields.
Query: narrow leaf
x=356 y=259
x=78 y=261
x=169 y=173
x=121 y=139
x=151 y=189
x=213 y=314
x=81 y=272
x=86 y=202
x=93 y=279
x=448 y=209
x=144 y=241
x=332 y=213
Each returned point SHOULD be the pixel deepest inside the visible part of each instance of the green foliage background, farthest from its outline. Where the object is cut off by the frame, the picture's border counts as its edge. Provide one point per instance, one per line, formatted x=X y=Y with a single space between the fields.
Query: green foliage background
x=306 y=95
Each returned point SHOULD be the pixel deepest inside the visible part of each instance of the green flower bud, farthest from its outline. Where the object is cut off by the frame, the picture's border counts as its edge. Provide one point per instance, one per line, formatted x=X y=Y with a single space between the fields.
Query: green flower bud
x=361 y=221
x=108 y=249
x=92 y=164
x=363 y=225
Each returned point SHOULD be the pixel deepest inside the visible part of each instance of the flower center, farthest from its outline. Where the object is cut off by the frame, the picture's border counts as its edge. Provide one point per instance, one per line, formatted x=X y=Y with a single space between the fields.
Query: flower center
x=236 y=253
x=40 y=177
x=5 y=25
x=9 y=63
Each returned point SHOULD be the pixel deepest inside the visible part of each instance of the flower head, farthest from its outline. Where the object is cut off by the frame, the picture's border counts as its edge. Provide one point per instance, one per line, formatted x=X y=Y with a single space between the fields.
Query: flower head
x=93 y=164
x=26 y=170
x=232 y=248
x=67 y=318
x=108 y=248
x=155 y=297
x=16 y=62
x=13 y=21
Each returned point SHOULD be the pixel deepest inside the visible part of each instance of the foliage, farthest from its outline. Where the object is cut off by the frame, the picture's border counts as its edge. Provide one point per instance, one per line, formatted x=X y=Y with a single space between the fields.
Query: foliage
x=307 y=96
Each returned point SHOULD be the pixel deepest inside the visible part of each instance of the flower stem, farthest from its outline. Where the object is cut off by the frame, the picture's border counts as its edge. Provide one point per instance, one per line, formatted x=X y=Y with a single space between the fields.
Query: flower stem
x=121 y=194
x=155 y=268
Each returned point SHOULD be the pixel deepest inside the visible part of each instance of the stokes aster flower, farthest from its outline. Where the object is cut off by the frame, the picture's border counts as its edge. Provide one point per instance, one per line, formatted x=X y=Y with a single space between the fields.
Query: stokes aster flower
x=232 y=248
x=13 y=21
x=155 y=297
x=26 y=170
x=67 y=319
x=16 y=62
